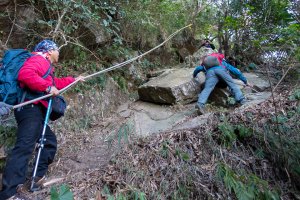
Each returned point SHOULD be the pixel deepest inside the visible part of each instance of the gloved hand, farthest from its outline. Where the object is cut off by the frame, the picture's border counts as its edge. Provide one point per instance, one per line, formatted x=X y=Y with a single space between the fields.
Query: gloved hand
x=196 y=79
x=5 y=108
x=80 y=78
x=250 y=85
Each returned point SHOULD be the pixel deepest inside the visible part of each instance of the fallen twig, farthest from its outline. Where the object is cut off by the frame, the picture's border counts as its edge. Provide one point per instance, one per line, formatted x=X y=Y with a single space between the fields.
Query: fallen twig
x=56 y=180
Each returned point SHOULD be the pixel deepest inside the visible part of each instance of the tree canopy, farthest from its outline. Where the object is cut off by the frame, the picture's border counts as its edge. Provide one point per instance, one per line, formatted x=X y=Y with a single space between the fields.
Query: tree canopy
x=249 y=30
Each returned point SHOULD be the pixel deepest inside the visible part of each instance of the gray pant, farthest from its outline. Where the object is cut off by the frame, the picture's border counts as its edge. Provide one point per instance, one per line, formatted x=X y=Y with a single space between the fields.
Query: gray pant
x=213 y=76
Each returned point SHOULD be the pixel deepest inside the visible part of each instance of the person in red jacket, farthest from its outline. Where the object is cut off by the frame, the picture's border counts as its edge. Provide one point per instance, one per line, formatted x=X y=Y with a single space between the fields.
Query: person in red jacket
x=30 y=119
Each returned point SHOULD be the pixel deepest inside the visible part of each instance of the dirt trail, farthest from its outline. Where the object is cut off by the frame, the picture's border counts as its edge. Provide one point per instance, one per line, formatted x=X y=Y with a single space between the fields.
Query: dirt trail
x=82 y=158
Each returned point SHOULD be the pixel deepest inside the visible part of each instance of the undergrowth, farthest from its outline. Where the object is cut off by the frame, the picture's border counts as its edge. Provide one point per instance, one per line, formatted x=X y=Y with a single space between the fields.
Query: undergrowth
x=7 y=135
x=245 y=186
x=253 y=154
x=7 y=140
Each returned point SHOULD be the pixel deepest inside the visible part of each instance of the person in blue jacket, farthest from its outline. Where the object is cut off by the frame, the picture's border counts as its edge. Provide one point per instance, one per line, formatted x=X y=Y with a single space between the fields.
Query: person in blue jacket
x=217 y=70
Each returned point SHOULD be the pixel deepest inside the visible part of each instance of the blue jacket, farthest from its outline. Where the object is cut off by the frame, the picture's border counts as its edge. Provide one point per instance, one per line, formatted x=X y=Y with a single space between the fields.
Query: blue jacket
x=229 y=67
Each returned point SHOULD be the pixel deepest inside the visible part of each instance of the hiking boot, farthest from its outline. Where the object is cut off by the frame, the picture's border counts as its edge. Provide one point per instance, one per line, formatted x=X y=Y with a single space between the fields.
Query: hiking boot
x=38 y=184
x=200 y=109
x=22 y=193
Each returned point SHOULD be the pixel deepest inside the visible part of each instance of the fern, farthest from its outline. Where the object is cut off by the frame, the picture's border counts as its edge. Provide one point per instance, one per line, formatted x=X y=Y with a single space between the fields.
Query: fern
x=245 y=187
x=228 y=137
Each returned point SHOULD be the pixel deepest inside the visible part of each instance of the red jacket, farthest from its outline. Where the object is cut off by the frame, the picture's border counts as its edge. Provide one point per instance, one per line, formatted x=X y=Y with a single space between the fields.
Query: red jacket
x=30 y=76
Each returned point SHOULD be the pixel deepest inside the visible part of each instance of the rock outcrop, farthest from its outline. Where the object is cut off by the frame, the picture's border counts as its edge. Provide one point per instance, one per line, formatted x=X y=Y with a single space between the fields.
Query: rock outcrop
x=19 y=22
x=13 y=35
x=171 y=87
x=259 y=84
x=177 y=86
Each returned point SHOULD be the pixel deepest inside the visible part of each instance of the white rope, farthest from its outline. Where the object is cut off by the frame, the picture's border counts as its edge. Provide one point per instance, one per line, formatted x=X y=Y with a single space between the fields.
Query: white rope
x=102 y=71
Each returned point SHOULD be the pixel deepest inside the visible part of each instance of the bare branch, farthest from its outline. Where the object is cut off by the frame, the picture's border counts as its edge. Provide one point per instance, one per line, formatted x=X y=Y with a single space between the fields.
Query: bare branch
x=59 y=21
x=14 y=21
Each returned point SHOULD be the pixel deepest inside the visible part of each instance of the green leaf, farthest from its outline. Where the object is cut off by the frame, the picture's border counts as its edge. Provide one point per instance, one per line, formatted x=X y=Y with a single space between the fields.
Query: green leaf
x=110 y=198
x=54 y=194
x=63 y=194
x=185 y=156
x=243 y=131
x=295 y=95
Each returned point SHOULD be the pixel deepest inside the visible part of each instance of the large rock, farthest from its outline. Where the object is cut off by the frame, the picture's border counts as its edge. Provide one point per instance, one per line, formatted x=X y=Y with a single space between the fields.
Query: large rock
x=148 y=118
x=14 y=32
x=100 y=34
x=220 y=96
x=176 y=86
x=258 y=83
x=254 y=99
x=173 y=86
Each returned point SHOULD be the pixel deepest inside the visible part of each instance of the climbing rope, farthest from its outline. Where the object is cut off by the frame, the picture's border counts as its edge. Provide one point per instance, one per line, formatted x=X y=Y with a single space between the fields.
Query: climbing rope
x=102 y=71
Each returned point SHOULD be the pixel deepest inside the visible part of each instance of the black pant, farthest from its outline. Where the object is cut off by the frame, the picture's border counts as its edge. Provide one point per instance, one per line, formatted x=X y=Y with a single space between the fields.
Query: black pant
x=30 y=121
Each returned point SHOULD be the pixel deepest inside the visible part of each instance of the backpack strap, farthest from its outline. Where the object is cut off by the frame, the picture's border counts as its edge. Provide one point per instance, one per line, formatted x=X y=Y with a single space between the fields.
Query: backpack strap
x=48 y=72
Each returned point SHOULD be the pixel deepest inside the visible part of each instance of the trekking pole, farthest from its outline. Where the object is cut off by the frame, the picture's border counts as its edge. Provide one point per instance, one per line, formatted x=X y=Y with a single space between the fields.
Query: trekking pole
x=41 y=145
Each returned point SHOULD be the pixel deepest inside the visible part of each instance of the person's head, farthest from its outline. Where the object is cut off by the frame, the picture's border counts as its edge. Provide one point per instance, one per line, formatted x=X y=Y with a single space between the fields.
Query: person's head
x=49 y=48
x=206 y=43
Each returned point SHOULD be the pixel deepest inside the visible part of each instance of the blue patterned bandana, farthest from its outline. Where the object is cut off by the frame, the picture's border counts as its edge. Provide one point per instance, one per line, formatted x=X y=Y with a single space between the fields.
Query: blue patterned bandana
x=45 y=46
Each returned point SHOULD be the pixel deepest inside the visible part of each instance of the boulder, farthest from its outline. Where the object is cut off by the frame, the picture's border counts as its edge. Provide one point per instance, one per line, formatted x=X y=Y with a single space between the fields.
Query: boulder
x=255 y=98
x=220 y=95
x=171 y=87
x=149 y=118
x=101 y=36
x=258 y=83
x=176 y=86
